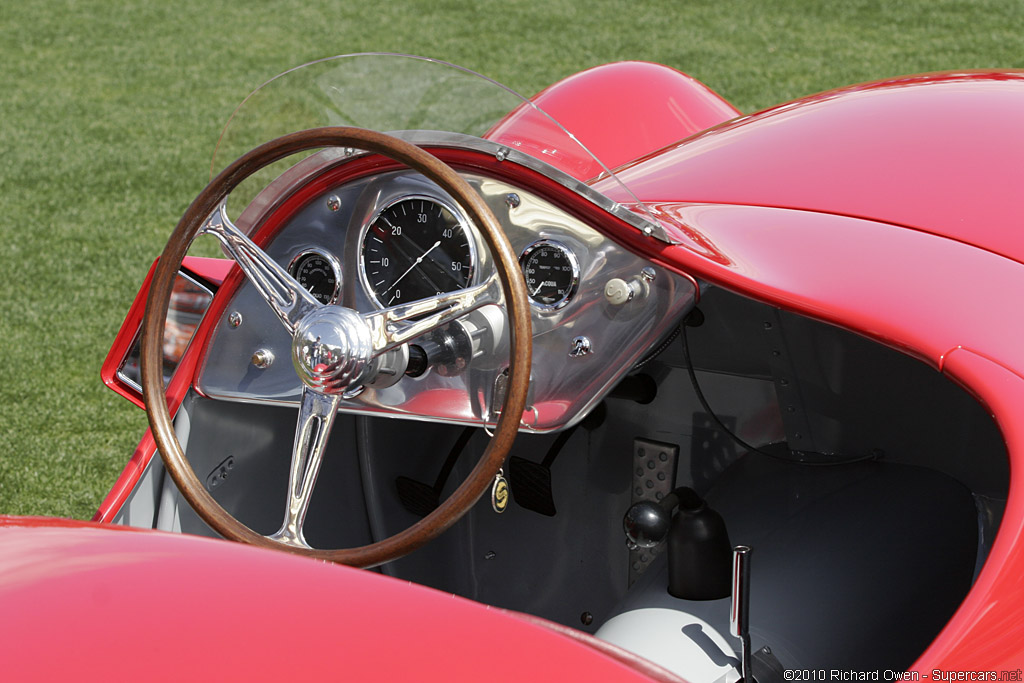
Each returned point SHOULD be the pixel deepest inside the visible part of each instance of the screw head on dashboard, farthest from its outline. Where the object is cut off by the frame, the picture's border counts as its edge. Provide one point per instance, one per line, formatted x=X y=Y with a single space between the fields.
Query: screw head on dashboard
x=263 y=358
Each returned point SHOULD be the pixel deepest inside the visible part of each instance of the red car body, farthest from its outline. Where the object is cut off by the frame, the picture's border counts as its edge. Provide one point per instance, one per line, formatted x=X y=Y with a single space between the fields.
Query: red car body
x=889 y=209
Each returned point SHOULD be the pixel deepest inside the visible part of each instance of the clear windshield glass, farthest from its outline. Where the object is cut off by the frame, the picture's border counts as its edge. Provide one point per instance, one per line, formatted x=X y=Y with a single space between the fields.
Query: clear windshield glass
x=397 y=93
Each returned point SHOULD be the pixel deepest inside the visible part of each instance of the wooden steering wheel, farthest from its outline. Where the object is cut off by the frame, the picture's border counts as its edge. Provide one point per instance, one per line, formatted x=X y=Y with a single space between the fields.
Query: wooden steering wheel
x=335 y=349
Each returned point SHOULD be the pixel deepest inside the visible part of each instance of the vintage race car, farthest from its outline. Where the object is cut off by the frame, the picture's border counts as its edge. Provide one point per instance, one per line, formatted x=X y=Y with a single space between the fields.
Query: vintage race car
x=612 y=383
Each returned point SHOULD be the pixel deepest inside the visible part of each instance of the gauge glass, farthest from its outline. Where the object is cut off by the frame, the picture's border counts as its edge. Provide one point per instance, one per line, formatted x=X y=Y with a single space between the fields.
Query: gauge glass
x=416 y=248
x=552 y=273
x=318 y=274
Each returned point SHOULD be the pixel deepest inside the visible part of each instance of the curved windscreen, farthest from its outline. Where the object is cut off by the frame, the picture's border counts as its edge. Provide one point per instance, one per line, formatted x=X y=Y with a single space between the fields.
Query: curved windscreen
x=405 y=95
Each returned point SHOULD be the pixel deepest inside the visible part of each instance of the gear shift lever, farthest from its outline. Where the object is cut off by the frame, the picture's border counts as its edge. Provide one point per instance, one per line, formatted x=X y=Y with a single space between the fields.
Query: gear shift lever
x=739 y=614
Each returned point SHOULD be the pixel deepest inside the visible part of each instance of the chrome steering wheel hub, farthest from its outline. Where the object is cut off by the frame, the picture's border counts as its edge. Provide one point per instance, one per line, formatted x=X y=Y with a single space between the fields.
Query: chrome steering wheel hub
x=332 y=350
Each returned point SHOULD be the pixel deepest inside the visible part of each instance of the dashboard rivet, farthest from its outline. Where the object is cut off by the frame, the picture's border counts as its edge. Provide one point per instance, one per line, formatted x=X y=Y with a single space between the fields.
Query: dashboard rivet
x=263 y=358
x=334 y=202
x=235 y=319
x=501 y=154
x=512 y=199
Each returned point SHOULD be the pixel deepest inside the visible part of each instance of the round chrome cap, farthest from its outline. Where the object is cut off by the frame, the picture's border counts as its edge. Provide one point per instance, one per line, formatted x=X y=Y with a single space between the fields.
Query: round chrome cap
x=332 y=350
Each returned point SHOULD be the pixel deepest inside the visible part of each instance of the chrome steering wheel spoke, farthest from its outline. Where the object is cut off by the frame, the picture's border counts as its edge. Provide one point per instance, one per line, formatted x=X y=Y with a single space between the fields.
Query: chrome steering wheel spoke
x=286 y=297
x=392 y=327
x=316 y=418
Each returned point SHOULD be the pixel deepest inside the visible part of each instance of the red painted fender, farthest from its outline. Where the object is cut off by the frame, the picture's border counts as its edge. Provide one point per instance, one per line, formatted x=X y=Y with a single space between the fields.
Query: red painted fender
x=939 y=153
x=85 y=602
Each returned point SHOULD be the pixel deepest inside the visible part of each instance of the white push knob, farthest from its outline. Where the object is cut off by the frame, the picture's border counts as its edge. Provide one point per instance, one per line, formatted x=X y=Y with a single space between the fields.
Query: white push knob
x=618 y=291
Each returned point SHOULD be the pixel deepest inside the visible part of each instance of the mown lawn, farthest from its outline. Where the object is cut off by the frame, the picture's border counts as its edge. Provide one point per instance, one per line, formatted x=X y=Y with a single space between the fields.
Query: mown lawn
x=109 y=113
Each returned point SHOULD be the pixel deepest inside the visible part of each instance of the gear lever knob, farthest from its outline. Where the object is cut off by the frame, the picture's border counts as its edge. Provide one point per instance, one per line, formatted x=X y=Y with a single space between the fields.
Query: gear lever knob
x=646 y=524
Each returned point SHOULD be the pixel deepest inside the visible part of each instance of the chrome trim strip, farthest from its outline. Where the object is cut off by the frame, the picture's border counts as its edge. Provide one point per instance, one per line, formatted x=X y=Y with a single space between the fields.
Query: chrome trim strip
x=331 y=158
x=502 y=153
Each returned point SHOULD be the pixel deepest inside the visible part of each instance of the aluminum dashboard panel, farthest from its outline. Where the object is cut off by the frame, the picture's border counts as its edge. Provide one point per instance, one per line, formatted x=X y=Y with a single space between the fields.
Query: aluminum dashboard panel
x=580 y=350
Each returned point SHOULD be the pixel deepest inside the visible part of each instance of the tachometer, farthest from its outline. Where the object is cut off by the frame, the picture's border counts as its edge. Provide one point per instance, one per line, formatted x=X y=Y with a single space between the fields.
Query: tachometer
x=415 y=248
x=318 y=273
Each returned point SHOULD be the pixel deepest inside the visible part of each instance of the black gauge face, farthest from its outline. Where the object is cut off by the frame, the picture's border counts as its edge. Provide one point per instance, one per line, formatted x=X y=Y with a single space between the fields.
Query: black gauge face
x=315 y=272
x=414 y=249
x=552 y=273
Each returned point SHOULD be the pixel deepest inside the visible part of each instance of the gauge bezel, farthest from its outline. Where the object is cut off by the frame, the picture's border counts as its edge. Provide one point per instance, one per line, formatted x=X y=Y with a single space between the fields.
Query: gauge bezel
x=332 y=261
x=452 y=208
x=573 y=262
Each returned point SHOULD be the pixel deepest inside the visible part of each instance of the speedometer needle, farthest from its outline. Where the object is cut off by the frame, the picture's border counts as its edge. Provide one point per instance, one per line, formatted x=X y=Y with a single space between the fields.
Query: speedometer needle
x=411 y=268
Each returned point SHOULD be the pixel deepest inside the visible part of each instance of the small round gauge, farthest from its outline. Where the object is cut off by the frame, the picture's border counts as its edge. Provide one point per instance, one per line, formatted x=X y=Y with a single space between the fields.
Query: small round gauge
x=318 y=273
x=552 y=273
x=416 y=248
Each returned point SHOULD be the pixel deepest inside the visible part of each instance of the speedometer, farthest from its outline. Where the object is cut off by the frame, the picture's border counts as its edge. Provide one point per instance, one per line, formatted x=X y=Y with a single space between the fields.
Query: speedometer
x=416 y=247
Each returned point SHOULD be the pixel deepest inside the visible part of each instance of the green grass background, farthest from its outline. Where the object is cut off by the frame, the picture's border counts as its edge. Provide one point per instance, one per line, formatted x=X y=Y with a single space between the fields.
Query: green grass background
x=109 y=112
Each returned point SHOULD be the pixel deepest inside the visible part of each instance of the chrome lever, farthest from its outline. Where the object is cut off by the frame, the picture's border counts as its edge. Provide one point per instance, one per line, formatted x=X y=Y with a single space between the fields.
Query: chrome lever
x=739 y=614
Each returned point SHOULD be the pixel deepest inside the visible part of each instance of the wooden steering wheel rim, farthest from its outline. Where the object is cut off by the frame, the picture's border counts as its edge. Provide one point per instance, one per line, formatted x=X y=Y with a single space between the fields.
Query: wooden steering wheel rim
x=517 y=304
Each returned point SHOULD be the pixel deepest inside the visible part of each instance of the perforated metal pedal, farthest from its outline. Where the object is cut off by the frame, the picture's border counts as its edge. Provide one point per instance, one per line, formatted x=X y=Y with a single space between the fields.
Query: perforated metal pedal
x=654 y=477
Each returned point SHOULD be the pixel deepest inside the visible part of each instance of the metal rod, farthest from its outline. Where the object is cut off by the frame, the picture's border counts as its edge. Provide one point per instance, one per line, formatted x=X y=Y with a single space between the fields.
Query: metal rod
x=739 y=616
